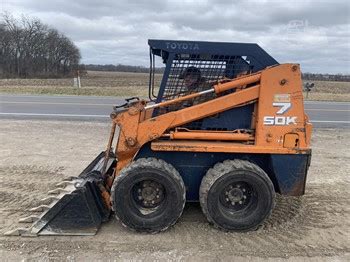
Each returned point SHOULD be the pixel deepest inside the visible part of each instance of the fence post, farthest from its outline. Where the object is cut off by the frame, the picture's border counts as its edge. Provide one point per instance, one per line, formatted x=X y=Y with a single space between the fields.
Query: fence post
x=79 y=84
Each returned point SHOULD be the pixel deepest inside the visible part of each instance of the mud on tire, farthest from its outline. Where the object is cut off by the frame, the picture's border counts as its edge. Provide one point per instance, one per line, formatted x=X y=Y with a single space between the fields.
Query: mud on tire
x=148 y=195
x=236 y=195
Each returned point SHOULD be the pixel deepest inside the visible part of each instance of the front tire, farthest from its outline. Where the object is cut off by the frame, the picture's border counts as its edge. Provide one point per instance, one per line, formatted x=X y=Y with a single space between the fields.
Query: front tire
x=236 y=195
x=148 y=196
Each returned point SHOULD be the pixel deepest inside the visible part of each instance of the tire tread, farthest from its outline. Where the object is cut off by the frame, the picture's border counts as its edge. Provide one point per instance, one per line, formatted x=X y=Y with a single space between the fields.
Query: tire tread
x=222 y=168
x=153 y=163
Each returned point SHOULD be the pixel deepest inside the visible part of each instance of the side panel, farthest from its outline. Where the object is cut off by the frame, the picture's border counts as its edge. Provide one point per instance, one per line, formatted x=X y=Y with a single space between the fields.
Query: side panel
x=236 y=118
x=281 y=107
x=287 y=172
x=290 y=172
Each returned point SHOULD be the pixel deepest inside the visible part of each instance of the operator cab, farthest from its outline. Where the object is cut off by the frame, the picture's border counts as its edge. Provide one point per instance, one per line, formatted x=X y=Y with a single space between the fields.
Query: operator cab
x=215 y=61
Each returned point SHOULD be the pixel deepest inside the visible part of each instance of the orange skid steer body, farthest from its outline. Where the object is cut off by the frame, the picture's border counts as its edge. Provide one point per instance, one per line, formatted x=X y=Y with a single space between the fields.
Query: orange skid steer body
x=231 y=144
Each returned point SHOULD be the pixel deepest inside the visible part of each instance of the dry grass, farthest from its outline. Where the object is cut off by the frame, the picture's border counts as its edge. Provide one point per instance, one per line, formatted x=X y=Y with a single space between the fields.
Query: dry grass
x=135 y=84
x=330 y=91
x=95 y=83
x=331 y=87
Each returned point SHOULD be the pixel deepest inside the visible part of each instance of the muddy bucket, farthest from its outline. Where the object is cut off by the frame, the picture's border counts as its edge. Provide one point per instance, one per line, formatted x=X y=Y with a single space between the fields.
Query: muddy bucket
x=76 y=206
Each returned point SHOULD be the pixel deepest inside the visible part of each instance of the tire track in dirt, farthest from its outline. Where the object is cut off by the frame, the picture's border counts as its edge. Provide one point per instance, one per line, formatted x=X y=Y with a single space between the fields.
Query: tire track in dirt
x=22 y=187
x=298 y=225
x=313 y=225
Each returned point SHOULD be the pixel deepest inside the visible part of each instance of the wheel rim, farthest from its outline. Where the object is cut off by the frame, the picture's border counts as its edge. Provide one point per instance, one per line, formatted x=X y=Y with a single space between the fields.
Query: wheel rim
x=237 y=196
x=148 y=196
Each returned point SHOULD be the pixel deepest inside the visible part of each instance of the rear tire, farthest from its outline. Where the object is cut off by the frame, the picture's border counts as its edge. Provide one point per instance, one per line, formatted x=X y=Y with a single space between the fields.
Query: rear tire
x=148 y=195
x=236 y=195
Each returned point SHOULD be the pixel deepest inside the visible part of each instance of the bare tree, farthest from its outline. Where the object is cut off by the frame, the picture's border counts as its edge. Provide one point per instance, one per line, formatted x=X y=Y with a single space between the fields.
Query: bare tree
x=29 y=48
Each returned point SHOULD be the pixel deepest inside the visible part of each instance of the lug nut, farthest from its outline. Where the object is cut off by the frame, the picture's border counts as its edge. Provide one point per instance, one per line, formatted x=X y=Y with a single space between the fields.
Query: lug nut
x=240 y=202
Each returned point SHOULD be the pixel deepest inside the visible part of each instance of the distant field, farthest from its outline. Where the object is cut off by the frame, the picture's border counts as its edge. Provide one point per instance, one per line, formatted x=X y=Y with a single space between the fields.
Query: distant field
x=330 y=90
x=135 y=84
x=95 y=83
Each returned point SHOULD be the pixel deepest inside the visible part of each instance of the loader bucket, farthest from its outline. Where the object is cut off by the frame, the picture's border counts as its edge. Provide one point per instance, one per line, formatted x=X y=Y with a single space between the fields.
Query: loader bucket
x=76 y=207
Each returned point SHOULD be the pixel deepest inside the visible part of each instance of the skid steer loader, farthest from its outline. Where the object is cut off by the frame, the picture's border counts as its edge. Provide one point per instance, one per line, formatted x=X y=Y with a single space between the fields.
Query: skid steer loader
x=227 y=128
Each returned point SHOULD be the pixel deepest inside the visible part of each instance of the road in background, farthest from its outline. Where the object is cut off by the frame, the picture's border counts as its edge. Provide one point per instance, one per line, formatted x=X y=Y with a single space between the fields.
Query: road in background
x=95 y=108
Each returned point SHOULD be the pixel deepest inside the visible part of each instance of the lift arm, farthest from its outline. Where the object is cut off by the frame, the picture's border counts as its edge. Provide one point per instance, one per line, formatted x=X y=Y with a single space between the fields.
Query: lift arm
x=134 y=132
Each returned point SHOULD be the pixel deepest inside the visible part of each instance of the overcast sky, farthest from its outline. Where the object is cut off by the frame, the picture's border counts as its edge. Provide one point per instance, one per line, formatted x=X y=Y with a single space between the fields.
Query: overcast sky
x=315 y=34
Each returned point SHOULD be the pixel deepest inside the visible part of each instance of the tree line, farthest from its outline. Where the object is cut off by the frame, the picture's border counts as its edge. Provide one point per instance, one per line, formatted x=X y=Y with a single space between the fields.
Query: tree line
x=29 y=48
x=326 y=77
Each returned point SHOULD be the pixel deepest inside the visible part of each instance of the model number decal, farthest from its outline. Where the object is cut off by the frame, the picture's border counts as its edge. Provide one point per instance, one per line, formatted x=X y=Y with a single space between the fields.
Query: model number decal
x=280 y=120
x=284 y=107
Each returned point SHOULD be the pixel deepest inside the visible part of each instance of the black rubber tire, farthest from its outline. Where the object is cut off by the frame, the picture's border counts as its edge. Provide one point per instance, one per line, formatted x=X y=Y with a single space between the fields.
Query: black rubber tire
x=129 y=212
x=261 y=200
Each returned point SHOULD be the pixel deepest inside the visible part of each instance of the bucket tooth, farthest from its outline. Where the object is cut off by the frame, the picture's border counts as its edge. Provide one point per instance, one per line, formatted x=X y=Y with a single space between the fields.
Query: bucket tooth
x=57 y=191
x=29 y=219
x=70 y=178
x=49 y=199
x=16 y=232
x=64 y=183
x=40 y=208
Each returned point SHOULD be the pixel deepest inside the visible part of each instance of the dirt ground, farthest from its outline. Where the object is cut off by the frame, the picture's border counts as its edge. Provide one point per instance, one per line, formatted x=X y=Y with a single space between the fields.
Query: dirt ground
x=35 y=155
